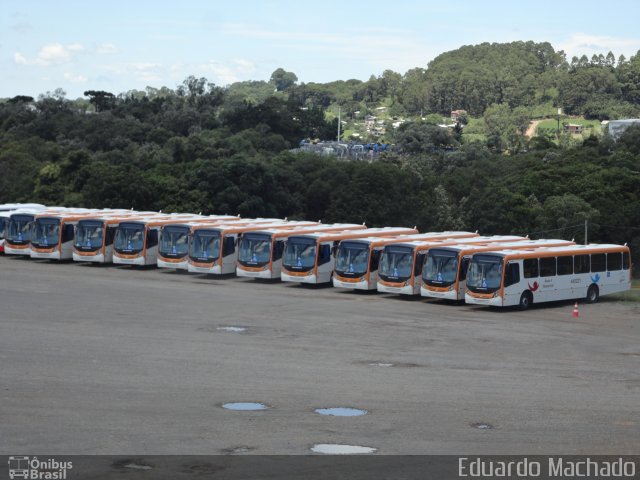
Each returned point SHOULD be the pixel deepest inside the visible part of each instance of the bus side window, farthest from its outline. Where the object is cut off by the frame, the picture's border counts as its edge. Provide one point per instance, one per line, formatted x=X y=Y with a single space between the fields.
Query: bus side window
x=152 y=238
x=334 y=249
x=512 y=274
x=67 y=233
x=530 y=268
x=375 y=260
x=581 y=264
x=278 y=248
x=614 y=261
x=464 y=266
x=419 y=262
x=548 y=267
x=324 y=255
x=625 y=261
x=565 y=265
x=229 y=246
x=598 y=262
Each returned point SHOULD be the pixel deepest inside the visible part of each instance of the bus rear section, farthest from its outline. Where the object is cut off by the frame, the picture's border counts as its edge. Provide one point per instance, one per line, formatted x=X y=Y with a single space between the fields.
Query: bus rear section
x=173 y=250
x=357 y=261
x=310 y=258
x=214 y=249
x=445 y=269
x=260 y=252
x=524 y=277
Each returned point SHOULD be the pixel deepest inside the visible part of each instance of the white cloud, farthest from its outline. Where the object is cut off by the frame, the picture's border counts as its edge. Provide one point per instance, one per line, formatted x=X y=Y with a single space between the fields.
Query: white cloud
x=107 y=48
x=50 y=54
x=224 y=73
x=75 y=78
x=579 y=44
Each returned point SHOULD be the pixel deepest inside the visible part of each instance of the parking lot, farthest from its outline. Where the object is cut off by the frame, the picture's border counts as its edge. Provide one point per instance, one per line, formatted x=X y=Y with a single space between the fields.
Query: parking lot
x=113 y=360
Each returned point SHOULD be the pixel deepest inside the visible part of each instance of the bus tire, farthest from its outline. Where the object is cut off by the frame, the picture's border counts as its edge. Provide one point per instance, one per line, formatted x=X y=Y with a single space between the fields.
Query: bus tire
x=526 y=299
x=592 y=294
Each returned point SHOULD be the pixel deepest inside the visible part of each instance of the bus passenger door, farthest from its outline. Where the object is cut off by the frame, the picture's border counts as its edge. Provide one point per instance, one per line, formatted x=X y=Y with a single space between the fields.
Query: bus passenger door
x=512 y=287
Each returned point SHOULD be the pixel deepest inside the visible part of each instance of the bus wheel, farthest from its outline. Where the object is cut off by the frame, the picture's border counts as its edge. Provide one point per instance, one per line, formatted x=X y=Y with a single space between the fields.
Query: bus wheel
x=592 y=294
x=526 y=299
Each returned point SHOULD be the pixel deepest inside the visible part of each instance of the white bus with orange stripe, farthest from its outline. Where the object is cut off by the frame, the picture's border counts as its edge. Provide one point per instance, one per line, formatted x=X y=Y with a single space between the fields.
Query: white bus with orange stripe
x=400 y=269
x=356 y=265
x=173 y=249
x=445 y=270
x=19 y=227
x=136 y=241
x=310 y=258
x=506 y=278
x=260 y=254
x=93 y=241
x=214 y=249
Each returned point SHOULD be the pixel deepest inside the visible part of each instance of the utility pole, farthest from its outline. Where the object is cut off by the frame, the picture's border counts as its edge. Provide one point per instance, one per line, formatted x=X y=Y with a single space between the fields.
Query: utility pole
x=586 y=222
x=338 y=124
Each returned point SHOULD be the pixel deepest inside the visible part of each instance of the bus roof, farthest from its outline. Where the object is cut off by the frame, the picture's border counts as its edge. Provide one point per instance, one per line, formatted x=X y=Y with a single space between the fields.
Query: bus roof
x=564 y=250
x=363 y=232
x=241 y=227
x=284 y=232
x=465 y=249
x=158 y=222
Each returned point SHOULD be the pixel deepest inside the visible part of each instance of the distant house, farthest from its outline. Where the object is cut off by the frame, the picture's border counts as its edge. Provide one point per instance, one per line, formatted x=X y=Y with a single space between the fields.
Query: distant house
x=369 y=122
x=455 y=114
x=573 y=128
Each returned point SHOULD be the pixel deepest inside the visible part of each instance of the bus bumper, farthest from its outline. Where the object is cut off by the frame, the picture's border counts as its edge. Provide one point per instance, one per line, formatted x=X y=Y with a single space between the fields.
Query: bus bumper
x=182 y=265
x=311 y=278
x=96 y=258
x=490 y=302
x=448 y=295
x=362 y=285
x=214 y=269
x=405 y=290
x=17 y=251
x=128 y=261
x=47 y=255
x=254 y=274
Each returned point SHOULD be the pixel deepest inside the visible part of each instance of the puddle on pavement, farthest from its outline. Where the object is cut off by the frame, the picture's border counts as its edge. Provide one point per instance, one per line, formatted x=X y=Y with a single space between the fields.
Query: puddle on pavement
x=341 y=412
x=338 y=449
x=232 y=329
x=245 y=406
x=380 y=364
x=482 y=426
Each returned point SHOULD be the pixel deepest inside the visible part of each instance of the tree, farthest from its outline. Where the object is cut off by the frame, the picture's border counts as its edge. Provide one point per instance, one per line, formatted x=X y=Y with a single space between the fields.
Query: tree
x=283 y=80
x=100 y=99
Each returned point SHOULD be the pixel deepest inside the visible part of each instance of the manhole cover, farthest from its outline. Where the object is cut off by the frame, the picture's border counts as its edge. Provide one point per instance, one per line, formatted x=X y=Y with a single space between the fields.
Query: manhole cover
x=338 y=449
x=232 y=329
x=245 y=406
x=341 y=412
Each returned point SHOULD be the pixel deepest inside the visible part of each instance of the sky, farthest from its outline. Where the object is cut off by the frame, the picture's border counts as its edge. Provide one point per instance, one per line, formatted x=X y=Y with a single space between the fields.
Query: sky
x=118 y=45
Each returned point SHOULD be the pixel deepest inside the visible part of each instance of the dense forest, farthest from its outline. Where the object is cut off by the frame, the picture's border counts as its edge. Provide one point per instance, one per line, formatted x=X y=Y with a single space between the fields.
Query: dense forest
x=201 y=147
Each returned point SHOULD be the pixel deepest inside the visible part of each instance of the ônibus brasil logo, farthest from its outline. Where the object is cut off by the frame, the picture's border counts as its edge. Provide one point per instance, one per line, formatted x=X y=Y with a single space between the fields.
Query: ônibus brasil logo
x=35 y=469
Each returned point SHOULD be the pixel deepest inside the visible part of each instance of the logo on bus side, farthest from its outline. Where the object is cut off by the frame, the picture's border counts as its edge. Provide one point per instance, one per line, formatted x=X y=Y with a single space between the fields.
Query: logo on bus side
x=534 y=287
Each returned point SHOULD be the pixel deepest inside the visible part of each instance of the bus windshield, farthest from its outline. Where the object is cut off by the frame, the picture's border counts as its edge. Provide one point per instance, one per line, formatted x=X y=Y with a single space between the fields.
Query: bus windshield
x=89 y=235
x=46 y=232
x=485 y=273
x=255 y=250
x=129 y=238
x=441 y=268
x=352 y=259
x=19 y=229
x=205 y=246
x=396 y=264
x=300 y=254
x=174 y=241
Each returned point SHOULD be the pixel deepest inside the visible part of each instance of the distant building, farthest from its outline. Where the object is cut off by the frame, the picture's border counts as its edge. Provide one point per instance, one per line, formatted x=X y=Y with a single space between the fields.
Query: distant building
x=573 y=128
x=455 y=114
x=617 y=127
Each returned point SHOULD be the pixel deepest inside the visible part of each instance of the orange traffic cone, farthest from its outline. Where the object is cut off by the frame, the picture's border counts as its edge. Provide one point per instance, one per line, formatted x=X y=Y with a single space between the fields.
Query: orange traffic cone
x=576 y=312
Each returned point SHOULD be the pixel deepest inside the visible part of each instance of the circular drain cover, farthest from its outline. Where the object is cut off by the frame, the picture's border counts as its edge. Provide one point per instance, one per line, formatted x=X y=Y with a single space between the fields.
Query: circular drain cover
x=232 y=329
x=338 y=449
x=341 y=412
x=482 y=426
x=245 y=406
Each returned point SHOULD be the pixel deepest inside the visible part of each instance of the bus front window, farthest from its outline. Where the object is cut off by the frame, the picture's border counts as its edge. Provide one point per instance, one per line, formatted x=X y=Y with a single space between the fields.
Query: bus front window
x=396 y=264
x=485 y=273
x=441 y=268
x=205 y=246
x=129 y=238
x=89 y=236
x=352 y=259
x=174 y=241
x=19 y=229
x=255 y=250
x=300 y=254
x=46 y=232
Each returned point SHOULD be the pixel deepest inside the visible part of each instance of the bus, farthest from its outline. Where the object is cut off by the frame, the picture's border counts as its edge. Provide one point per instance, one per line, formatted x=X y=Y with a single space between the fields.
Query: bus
x=357 y=260
x=93 y=241
x=445 y=270
x=506 y=278
x=173 y=251
x=205 y=255
x=7 y=207
x=4 y=219
x=53 y=235
x=18 y=229
x=136 y=241
x=310 y=257
x=400 y=269
x=260 y=252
